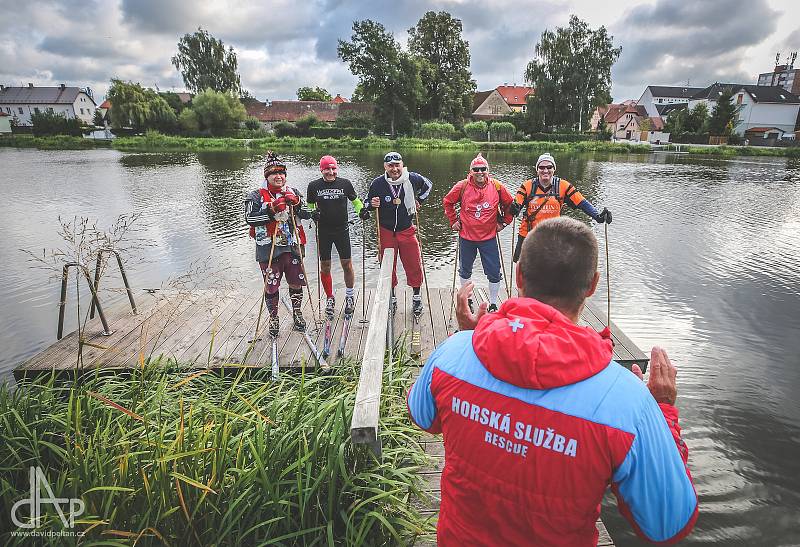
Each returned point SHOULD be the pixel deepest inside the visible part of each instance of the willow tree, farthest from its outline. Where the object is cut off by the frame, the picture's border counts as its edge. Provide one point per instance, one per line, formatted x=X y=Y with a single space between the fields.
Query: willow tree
x=571 y=72
x=204 y=63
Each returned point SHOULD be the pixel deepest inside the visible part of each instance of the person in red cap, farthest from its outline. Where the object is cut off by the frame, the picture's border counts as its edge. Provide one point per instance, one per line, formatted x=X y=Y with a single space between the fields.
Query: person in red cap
x=327 y=199
x=483 y=204
x=269 y=211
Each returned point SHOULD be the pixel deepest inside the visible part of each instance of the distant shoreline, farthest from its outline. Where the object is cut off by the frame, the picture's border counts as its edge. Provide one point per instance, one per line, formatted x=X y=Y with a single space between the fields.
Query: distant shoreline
x=168 y=143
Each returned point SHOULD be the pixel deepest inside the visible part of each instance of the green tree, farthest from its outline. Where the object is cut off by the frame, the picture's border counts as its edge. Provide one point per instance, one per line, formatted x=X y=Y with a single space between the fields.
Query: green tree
x=204 y=63
x=218 y=112
x=572 y=73
x=313 y=94
x=139 y=108
x=99 y=118
x=696 y=120
x=724 y=116
x=387 y=76
x=476 y=131
x=173 y=100
x=675 y=124
x=52 y=123
x=448 y=83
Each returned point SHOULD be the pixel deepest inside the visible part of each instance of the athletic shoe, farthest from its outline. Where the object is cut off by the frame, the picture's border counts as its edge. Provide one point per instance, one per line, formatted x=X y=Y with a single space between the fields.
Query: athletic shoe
x=349 y=305
x=299 y=321
x=330 y=307
x=416 y=308
x=393 y=305
x=471 y=305
x=492 y=308
x=274 y=325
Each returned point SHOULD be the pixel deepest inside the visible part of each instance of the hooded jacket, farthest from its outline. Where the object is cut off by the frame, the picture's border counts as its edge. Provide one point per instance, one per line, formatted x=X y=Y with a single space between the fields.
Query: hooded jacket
x=480 y=208
x=537 y=421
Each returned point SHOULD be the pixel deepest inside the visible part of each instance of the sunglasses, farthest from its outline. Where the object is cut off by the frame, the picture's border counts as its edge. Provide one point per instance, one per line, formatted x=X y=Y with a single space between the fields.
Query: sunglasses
x=545 y=167
x=479 y=169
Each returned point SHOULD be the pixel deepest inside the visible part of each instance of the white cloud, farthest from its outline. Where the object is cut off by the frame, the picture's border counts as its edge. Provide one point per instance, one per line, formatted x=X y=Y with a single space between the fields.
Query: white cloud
x=285 y=44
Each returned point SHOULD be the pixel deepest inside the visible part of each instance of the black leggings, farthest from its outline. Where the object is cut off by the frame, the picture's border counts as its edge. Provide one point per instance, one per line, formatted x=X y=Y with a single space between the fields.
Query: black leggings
x=518 y=248
x=339 y=238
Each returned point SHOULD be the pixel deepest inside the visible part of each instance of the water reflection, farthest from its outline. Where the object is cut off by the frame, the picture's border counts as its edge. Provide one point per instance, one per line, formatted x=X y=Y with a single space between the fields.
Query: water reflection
x=703 y=260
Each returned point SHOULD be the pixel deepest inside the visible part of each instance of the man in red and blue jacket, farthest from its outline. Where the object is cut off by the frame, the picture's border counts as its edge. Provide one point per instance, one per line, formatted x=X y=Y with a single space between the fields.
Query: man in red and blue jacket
x=538 y=419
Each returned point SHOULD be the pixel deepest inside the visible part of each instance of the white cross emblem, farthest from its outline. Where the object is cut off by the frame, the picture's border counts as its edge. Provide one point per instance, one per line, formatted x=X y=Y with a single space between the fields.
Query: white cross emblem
x=515 y=325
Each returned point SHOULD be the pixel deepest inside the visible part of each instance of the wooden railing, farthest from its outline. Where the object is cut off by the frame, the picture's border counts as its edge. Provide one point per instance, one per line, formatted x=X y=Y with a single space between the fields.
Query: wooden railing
x=364 y=427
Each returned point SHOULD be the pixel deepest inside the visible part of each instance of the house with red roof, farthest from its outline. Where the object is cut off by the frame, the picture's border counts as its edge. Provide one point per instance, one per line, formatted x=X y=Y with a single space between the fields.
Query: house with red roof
x=271 y=112
x=500 y=101
x=338 y=99
x=515 y=96
x=629 y=121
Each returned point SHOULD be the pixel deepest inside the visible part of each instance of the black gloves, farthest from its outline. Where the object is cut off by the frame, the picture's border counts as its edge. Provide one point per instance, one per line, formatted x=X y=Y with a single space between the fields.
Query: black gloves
x=514 y=208
x=364 y=214
x=315 y=215
x=604 y=216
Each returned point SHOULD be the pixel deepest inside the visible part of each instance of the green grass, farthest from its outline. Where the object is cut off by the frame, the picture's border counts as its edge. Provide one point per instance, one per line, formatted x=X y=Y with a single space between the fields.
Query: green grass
x=188 y=459
x=154 y=141
x=57 y=142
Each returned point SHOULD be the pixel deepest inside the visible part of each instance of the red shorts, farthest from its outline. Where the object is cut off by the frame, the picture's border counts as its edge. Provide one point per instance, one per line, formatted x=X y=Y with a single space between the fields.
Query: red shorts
x=284 y=264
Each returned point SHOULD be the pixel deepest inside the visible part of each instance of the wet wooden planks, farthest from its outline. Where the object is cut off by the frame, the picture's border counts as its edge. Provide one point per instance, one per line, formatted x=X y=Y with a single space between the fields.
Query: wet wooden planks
x=226 y=328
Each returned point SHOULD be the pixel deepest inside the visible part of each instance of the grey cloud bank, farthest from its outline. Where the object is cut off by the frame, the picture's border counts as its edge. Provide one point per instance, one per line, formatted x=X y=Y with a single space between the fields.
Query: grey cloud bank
x=285 y=44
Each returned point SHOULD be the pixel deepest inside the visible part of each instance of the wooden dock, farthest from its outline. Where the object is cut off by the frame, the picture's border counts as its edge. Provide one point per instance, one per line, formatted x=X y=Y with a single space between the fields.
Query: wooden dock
x=228 y=329
x=217 y=329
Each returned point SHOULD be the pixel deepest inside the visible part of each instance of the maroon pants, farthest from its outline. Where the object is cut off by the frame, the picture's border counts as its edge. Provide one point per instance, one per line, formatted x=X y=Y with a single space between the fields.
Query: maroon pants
x=408 y=248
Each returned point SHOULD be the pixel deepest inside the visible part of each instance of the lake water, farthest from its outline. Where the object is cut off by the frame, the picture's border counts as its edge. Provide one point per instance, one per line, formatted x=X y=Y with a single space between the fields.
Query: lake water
x=704 y=260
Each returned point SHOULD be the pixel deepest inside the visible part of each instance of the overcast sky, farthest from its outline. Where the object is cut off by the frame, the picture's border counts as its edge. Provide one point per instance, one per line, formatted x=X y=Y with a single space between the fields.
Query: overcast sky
x=285 y=44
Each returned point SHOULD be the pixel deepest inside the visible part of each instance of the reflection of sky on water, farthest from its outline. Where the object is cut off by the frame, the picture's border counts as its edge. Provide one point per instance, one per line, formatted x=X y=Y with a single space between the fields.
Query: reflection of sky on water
x=703 y=257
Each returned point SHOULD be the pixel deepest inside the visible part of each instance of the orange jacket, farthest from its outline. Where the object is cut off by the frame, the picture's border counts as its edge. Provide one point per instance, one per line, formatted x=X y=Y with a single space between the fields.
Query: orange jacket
x=540 y=204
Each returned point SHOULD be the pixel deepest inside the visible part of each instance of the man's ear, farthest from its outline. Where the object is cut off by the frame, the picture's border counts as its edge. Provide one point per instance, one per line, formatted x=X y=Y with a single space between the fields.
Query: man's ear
x=593 y=284
x=520 y=280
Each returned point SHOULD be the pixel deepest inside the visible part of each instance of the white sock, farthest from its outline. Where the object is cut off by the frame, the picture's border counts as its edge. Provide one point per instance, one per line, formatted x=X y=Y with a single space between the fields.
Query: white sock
x=494 y=289
x=349 y=291
x=417 y=297
x=464 y=281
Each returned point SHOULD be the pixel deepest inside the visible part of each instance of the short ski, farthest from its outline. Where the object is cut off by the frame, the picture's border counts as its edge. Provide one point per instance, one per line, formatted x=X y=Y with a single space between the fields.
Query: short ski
x=416 y=335
x=274 y=358
x=343 y=336
x=326 y=344
x=309 y=342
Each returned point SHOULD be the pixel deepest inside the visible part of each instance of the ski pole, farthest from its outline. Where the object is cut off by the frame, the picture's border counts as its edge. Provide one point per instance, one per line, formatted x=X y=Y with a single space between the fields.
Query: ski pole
x=608 y=279
x=263 y=295
x=453 y=290
x=364 y=272
x=302 y=264
x=513 y=236
x=378 y=229
x=502 y=260
x=319 y=267
x=424 y=273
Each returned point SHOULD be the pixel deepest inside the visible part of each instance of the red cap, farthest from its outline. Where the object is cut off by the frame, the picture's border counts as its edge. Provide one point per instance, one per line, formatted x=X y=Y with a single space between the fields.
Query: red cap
x=326 y=162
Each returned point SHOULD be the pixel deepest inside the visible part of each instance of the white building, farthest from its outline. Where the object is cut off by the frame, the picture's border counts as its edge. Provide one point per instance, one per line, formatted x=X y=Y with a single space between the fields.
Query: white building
x=22 y=102
x=658 y=95
x=759 y=106
x=5 y=123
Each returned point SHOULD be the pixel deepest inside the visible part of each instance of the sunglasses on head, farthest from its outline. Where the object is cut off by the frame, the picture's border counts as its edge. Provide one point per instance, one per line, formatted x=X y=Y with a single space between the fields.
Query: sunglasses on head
x=478 y=169
x=545 y=167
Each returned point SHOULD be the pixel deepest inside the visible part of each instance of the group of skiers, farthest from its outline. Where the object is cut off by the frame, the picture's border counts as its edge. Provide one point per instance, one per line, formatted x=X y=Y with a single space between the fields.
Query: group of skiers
x=477 y=207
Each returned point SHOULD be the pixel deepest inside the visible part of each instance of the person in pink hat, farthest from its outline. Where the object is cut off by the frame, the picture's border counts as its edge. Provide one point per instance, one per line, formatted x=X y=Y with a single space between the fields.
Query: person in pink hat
x=477 y=208
x=327 y=199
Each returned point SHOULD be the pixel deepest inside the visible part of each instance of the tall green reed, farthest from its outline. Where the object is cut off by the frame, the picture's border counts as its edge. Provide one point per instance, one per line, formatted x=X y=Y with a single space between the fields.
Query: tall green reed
x=170 y=456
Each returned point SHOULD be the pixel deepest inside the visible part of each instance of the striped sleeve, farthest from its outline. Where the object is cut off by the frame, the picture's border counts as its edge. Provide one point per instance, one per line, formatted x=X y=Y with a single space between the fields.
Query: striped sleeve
x=653 y=485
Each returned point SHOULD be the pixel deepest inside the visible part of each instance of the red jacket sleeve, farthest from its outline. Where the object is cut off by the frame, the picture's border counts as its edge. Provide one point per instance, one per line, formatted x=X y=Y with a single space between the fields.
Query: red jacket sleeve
x=450 y=200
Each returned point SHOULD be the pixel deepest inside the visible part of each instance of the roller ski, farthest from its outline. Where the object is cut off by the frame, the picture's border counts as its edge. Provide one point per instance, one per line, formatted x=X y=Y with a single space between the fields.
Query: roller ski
x=349 y=308
x=416 y=330
x=330 y=309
